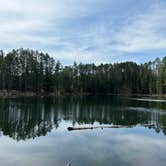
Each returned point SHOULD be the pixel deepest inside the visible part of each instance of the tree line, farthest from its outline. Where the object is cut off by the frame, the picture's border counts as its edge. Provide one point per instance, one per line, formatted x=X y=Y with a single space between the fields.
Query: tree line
x=28 y=70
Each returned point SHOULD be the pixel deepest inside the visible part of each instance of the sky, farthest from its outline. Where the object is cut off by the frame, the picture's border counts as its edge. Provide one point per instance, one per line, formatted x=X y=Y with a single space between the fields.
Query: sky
x=87 y=31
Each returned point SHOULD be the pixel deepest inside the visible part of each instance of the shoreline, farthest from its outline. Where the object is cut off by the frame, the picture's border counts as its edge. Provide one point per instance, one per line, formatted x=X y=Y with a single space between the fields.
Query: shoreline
x=14 y=93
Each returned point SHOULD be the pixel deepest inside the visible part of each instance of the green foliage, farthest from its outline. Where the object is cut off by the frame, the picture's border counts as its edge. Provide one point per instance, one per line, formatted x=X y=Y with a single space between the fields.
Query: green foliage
x=28 y=70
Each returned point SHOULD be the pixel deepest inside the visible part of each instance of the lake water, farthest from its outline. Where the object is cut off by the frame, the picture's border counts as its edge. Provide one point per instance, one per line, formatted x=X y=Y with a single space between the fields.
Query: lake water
x=33 y=131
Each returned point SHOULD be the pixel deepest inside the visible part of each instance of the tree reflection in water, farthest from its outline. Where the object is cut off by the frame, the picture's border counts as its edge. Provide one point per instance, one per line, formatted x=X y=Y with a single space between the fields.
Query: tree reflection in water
x=24 y=118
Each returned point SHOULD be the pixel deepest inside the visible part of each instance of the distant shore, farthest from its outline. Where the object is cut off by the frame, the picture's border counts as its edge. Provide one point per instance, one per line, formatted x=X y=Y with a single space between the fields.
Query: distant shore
x=15 y=93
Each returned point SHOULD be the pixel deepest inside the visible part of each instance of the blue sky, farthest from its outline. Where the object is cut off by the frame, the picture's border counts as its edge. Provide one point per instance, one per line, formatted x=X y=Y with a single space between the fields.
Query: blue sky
x=98 y=31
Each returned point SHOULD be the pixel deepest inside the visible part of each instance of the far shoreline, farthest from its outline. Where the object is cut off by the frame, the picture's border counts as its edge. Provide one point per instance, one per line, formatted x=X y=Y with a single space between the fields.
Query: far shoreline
x=15 y=94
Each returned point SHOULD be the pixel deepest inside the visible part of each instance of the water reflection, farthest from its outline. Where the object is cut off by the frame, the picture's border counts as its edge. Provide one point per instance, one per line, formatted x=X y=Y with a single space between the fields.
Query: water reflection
x=25 y=118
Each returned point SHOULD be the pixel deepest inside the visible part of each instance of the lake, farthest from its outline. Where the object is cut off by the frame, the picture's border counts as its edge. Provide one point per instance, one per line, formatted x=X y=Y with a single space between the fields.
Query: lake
x=33 y=131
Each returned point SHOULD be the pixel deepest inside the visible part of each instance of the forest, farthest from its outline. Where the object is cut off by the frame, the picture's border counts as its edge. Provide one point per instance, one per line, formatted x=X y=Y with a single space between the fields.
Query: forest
x=27 y=70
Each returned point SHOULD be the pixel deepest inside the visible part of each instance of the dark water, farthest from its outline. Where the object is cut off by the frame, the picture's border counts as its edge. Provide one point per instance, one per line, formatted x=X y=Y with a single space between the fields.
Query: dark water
x=33 y=132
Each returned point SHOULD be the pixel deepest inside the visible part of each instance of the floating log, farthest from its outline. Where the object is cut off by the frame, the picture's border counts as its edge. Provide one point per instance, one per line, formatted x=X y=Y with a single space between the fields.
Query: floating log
x=149 y=125
x=97 y=127
x=102 y=127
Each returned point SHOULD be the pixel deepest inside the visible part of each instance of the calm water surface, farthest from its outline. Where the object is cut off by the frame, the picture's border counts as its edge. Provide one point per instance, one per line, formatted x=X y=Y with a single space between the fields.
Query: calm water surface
x=33 y=132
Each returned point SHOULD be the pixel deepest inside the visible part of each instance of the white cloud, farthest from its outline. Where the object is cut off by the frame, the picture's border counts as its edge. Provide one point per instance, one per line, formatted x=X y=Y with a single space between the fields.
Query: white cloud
x=81 y=30
x=143 y=31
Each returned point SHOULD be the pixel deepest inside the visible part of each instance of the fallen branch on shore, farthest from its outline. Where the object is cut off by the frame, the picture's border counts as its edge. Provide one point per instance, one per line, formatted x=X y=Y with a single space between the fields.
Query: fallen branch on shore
x=102 y=127
x=69 y=164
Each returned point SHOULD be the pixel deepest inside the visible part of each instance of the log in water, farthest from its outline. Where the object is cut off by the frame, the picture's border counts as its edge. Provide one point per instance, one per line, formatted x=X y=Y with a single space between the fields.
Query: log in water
x=102 y=127
x=97 y=127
